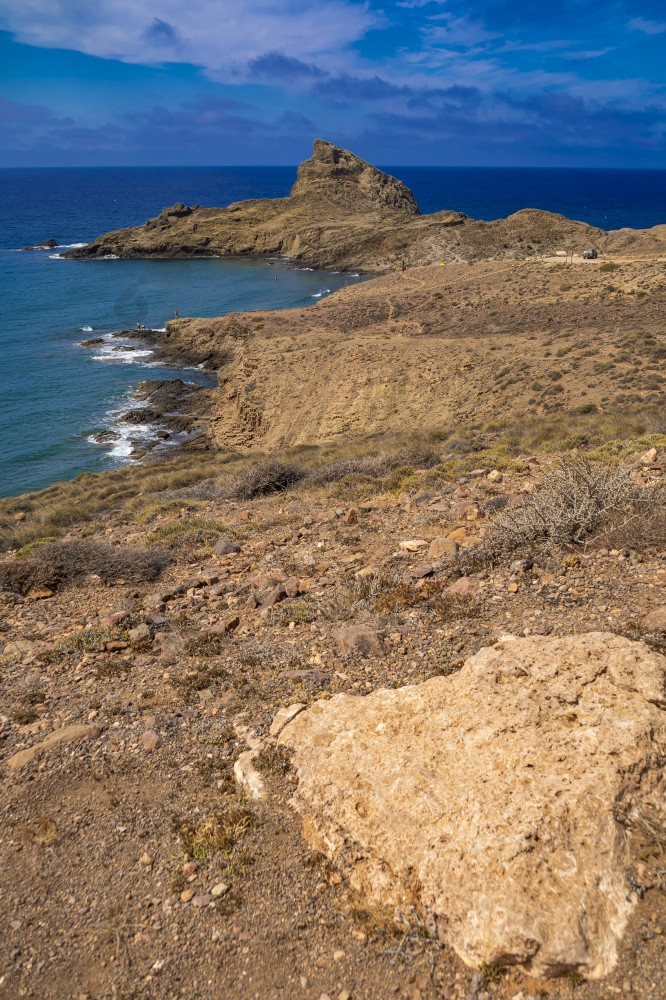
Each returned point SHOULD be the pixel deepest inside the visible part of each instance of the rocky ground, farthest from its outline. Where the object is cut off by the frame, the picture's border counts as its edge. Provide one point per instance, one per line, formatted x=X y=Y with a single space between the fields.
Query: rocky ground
x=135 y=863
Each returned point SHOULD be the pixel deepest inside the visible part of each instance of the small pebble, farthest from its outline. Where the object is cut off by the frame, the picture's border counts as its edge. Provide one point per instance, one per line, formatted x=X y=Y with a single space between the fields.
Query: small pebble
x=149 y=740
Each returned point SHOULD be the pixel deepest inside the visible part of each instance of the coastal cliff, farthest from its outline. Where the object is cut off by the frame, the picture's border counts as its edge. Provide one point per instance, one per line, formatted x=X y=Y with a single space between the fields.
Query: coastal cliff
x=344 y=213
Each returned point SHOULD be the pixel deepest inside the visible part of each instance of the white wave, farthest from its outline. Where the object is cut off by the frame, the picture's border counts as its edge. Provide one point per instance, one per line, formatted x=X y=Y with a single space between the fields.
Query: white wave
x=318 y=295
x=129 y=434
x=71 y=246
x=131 y=403
x=108 y=352
x=159 y=329
x=304 y=268
x=56 y=256
x=84 y=329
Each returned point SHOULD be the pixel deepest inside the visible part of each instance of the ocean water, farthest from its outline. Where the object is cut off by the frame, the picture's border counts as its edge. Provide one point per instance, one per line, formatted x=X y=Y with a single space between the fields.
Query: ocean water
x=55 y=394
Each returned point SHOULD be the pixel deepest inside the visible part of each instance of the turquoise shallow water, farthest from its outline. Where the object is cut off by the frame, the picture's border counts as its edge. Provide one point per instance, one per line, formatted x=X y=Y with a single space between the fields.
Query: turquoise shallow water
x=55 y=394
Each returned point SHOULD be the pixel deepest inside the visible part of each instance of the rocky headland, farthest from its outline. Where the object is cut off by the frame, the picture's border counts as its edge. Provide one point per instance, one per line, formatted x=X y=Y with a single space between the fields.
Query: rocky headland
x=345 y=214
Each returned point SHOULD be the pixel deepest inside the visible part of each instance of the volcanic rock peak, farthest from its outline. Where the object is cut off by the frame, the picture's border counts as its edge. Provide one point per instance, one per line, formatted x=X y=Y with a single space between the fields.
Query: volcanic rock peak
x=343 y=175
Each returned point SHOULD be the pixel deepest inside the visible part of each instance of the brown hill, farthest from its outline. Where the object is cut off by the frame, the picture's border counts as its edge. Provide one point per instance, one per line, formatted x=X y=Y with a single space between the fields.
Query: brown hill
x=460 y=344
x=344 y=213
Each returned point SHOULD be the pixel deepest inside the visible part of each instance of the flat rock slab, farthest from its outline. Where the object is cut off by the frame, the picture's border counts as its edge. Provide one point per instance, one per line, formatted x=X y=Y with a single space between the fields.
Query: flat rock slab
x=68 y=734
x=489 y=800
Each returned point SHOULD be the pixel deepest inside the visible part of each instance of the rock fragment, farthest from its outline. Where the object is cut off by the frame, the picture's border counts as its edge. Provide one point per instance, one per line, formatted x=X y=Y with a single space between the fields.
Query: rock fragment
x=283 y=716
x=248 y=777
x=59 y=737
x=655 y=621
x=225 y=546
x=359 y=639
x=139 y=635
x=413 y=544
x=492 y=800
x=440 y=547
x=149 y=740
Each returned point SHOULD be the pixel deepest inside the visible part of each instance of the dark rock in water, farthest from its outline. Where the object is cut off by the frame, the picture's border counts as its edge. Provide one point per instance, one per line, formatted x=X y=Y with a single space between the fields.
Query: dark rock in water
x=124 y=347
x=142 y=415
x=103 y=436
x=164 y=392
x=46 y=245
x=93 y=342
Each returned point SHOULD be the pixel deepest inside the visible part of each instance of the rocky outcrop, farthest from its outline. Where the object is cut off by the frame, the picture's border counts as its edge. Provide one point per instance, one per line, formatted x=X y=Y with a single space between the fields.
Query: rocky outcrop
x=46 y=245
x=344 y=213
x=334 y=173
x=500 y=805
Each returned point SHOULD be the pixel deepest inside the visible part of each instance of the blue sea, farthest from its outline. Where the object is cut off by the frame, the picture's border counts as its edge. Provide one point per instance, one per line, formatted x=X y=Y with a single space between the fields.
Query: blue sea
x=56 y=395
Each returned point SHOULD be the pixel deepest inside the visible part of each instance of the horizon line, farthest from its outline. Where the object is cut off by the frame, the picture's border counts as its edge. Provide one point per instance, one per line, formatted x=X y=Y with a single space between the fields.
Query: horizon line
x=295 y=166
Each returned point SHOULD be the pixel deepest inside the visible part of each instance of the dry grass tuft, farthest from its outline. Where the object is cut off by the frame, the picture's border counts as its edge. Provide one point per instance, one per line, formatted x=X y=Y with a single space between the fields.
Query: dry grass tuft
x=221 y=831
x=187 y=531
x=414 y=456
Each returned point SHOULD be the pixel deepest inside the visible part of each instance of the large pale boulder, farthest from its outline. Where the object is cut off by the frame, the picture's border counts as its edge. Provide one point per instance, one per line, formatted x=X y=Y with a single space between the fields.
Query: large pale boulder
x=499 y=803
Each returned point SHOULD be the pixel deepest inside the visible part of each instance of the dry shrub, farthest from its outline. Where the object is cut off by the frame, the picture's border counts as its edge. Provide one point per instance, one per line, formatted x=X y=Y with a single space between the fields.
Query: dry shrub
x=299 y=612
x=375 y=466
x=398 y=596
x=636 y=530
x=187 y=531
x=270 y=476
x=220 y=831
x=453 y=607
x=60 y=563
x=575 y=504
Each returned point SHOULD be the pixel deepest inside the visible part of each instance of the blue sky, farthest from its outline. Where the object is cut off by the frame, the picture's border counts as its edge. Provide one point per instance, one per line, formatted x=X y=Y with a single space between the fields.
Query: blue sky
x=487 y=82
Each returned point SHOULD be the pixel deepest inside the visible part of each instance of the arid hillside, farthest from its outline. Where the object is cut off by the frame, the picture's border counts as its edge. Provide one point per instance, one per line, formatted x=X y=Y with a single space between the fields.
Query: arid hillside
x=361 y=693
x=434 y=347
x=147 y=656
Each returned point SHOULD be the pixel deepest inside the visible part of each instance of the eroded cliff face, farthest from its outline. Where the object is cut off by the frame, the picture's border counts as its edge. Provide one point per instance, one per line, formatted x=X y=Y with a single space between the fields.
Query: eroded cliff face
x=345 y=214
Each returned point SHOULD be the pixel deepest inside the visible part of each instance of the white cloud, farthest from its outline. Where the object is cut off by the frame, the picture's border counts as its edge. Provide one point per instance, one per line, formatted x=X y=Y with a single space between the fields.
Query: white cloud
x=222 y=37
x=647 y=27
x=588 y=53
